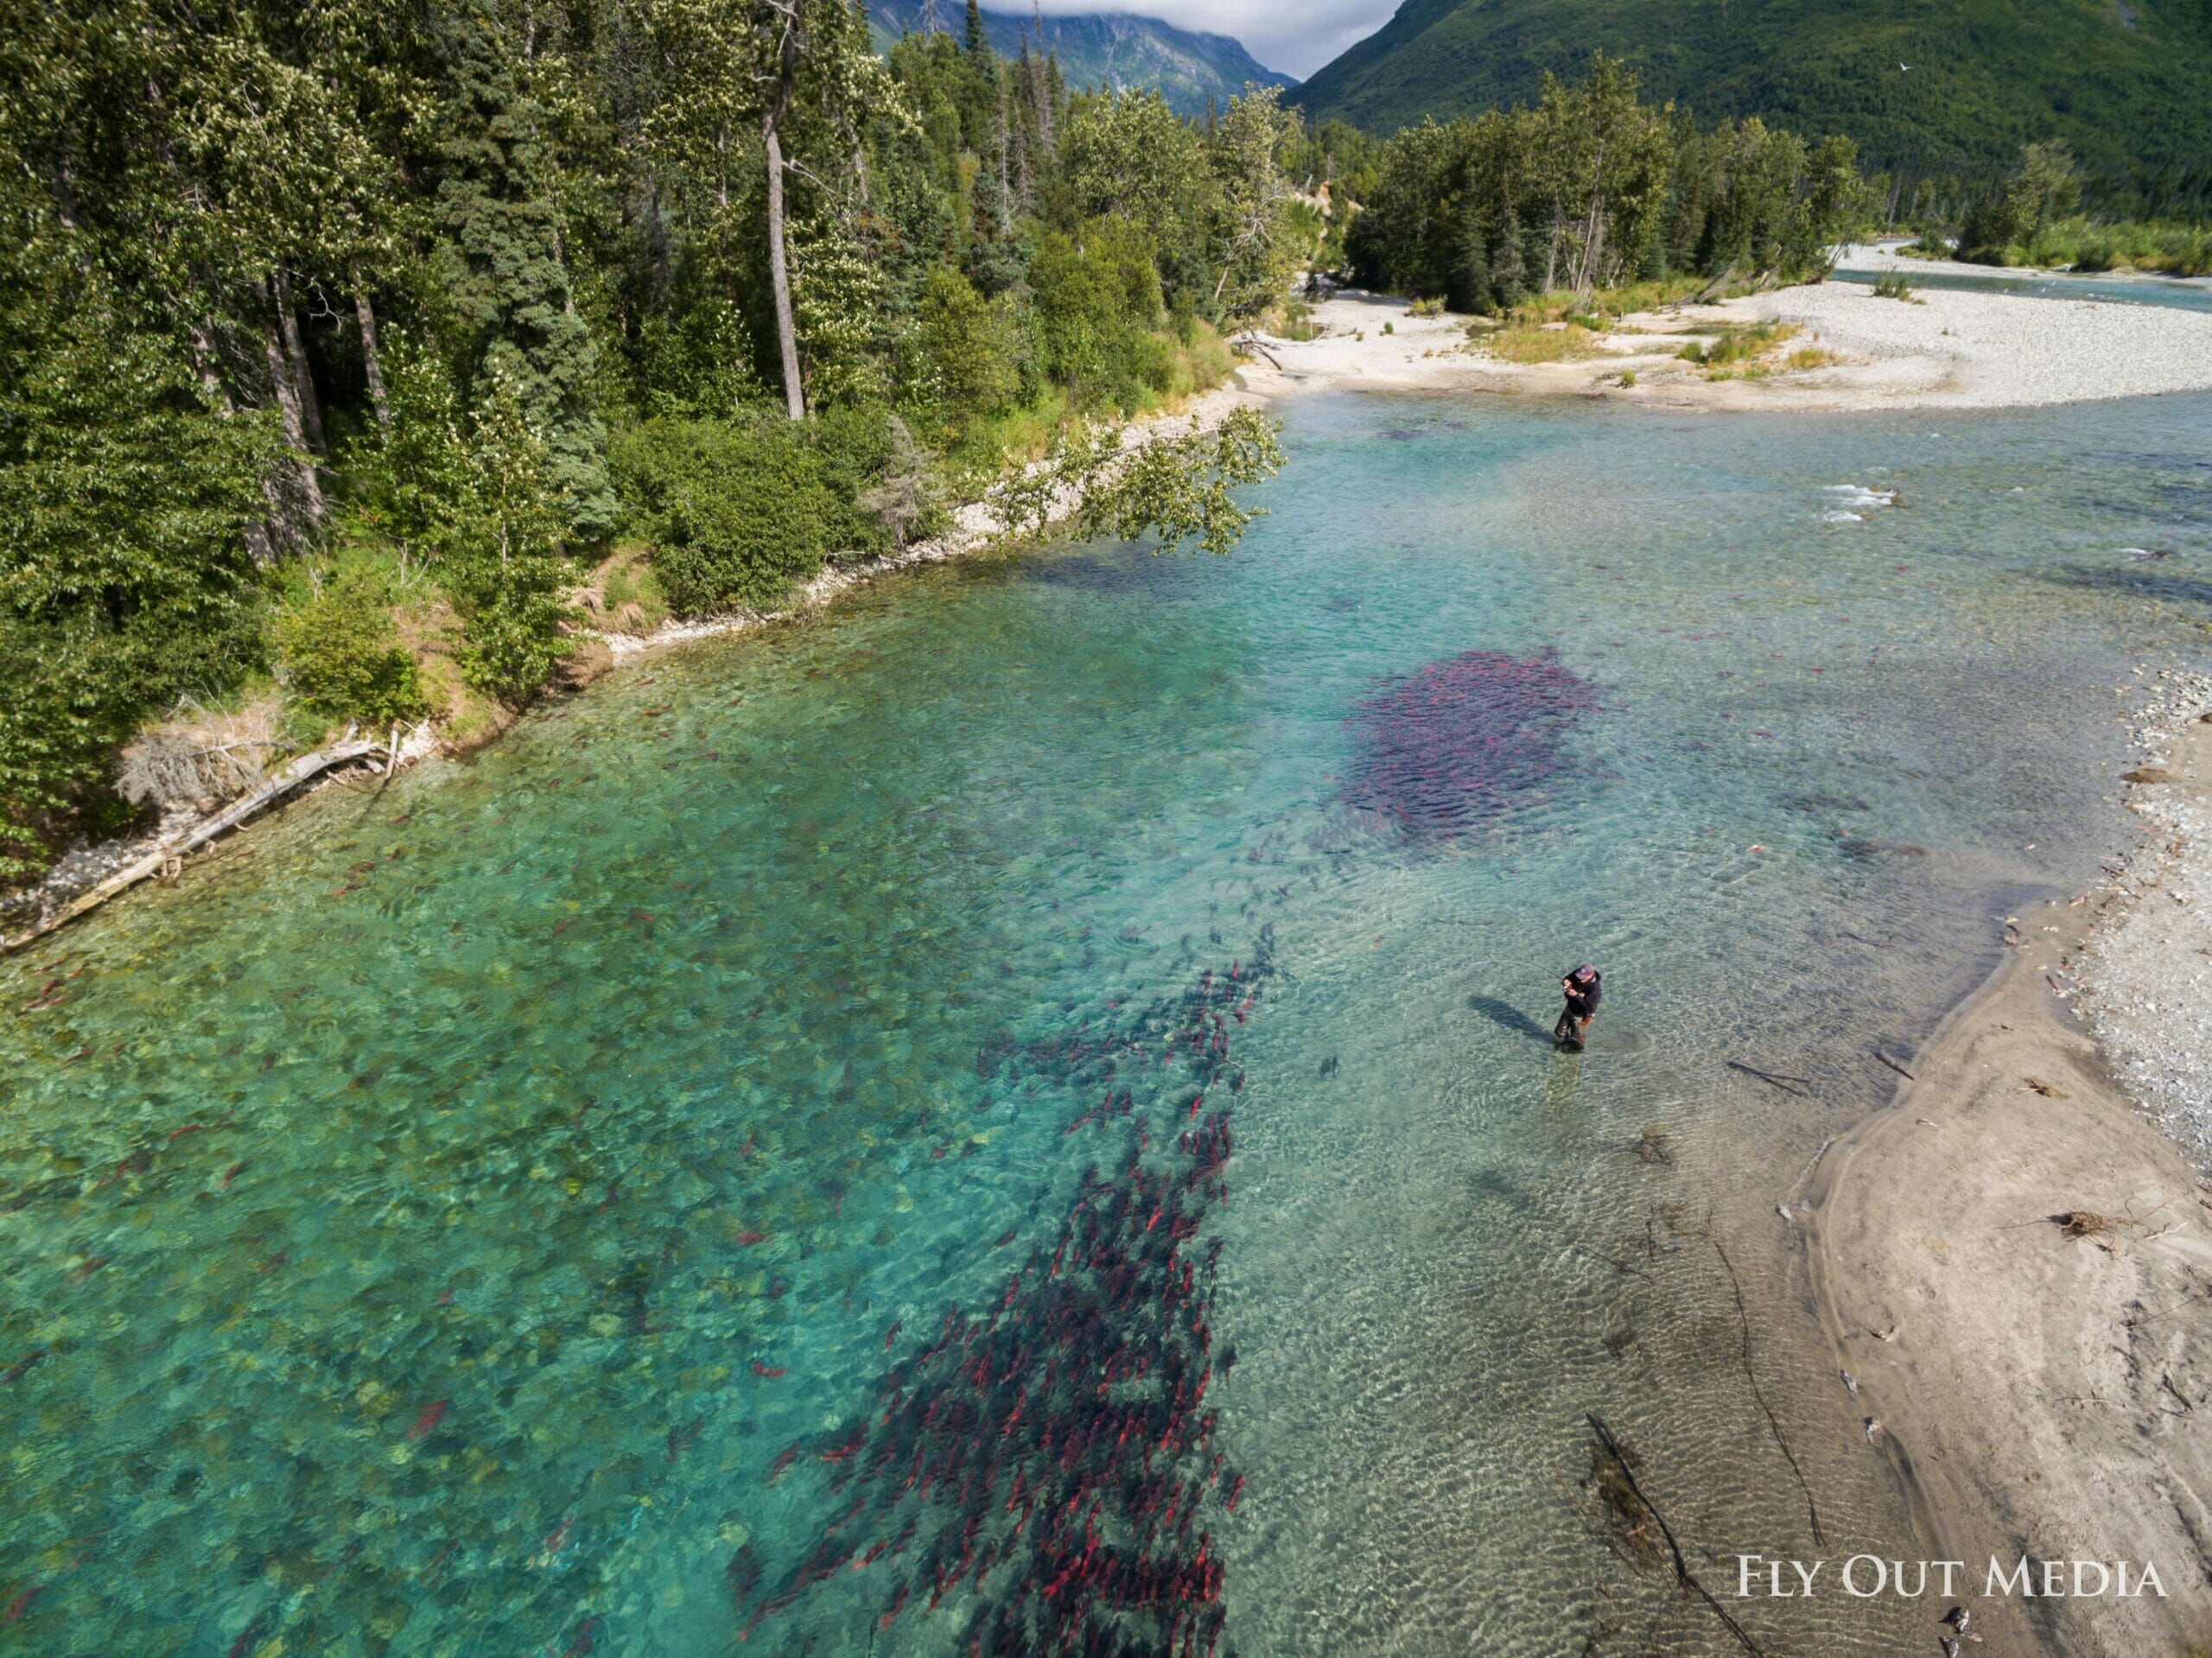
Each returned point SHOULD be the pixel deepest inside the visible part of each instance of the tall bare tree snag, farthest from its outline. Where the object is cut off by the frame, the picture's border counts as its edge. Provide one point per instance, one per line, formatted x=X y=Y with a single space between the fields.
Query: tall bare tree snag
x=779 y=279
x=1003 y=135
x=296 y=360
x=779 y=103
x=302 y=497
x=801 y=75
x=1038 y=83
x=371 y=358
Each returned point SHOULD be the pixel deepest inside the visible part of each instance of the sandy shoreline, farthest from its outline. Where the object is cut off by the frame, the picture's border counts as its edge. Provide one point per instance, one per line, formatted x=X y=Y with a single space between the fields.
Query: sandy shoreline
x=2041 y=1394
x=1944 y=348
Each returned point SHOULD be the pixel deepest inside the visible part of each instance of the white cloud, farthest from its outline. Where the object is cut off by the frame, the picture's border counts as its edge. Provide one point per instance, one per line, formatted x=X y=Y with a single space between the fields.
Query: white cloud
x=1296 y=39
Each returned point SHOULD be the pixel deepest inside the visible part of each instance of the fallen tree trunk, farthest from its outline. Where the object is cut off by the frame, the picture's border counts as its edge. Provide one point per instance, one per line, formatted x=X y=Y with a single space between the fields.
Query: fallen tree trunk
x=1683 y=1575
x=299 y=771
x=1249 y=341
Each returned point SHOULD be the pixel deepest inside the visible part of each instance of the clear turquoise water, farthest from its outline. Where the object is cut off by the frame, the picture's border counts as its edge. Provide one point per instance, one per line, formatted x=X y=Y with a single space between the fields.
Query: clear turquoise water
x=402 y=1213
x=2187 y=294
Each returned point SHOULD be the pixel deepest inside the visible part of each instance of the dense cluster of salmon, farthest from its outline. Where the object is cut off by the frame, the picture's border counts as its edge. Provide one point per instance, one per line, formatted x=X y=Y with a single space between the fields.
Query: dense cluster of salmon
x=1046 y=1466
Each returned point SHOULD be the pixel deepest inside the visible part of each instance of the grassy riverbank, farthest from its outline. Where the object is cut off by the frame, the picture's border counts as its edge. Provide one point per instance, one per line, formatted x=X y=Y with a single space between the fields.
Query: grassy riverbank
x=2081 y=245
x=2043 y=215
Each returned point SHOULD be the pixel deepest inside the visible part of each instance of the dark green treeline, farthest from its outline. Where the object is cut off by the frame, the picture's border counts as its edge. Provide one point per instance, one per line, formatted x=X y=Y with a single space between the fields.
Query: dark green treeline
x=1591 y=189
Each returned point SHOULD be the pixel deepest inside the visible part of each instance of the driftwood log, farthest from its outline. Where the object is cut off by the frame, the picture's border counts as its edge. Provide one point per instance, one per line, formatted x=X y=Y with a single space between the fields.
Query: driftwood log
x=1250 y=342
x=308 y=766
x=1683 y=1575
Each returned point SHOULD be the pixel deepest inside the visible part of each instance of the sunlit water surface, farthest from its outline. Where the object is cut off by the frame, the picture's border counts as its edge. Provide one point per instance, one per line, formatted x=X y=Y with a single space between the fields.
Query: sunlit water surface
x=2124 y=288
x=476 y=1215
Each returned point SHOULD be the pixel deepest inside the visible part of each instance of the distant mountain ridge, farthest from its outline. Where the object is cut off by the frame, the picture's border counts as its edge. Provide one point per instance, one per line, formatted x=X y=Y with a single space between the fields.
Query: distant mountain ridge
x=1104 y=49
x=1923 y=86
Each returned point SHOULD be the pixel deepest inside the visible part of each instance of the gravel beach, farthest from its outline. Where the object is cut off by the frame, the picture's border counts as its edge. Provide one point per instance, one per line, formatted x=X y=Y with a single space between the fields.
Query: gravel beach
x=1988 y=350
x=1941 y=348
x=2146 y=975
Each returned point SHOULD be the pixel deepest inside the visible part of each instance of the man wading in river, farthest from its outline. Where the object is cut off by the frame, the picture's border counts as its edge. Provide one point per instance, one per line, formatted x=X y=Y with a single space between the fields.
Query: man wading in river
x=1585 y=989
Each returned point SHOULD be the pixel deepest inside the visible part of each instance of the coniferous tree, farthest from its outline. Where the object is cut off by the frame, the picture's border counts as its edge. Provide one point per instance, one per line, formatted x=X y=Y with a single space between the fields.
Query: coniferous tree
x=1509 y=264
x=501 y=538
x=1470 y=285
x=1591 y=189
x=499 y=208
x=126 y=500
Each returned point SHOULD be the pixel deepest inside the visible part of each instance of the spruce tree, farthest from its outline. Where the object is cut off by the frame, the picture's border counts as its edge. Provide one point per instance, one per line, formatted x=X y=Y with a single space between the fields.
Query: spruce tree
x=498 y=207
x=126 y=501
x=1470 y=284
x=1508 y=264
x=978 y=42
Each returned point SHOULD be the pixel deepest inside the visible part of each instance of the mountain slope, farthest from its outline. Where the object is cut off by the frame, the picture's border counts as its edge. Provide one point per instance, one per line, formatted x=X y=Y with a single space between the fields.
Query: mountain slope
x=2123 y=81
x=1106 y=49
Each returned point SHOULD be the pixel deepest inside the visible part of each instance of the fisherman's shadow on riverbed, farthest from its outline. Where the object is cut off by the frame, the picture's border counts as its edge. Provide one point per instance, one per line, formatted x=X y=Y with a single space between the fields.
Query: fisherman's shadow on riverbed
x=1507 y=1017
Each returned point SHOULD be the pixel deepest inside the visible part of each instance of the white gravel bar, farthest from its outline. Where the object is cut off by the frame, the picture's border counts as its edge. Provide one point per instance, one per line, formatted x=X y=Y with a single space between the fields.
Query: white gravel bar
x=1968 y=349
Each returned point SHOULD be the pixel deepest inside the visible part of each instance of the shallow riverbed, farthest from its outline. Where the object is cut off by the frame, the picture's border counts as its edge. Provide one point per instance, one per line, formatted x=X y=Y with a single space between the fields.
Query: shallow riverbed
x=521 y=1209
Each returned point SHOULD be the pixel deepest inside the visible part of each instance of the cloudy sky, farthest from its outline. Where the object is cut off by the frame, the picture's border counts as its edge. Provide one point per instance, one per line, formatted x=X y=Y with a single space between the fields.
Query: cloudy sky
x=1295 y=37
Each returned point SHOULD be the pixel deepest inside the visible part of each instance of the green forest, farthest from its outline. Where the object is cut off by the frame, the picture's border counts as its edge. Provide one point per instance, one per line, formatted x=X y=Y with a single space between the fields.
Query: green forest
x=2033 y=217
x=352 y=356
x=1591 y=189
